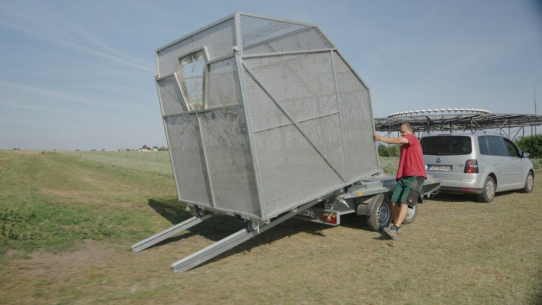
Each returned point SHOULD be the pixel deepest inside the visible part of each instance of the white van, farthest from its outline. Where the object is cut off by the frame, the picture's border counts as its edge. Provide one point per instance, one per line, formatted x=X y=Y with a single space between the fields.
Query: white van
x=482 y=164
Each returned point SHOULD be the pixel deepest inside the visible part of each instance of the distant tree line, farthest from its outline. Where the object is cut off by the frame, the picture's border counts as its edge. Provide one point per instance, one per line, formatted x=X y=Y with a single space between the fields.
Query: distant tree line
x=531 y=144
x=389 y=151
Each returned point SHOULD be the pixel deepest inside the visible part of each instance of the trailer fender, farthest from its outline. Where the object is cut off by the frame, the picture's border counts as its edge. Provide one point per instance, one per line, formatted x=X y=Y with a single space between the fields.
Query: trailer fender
x=366 y=206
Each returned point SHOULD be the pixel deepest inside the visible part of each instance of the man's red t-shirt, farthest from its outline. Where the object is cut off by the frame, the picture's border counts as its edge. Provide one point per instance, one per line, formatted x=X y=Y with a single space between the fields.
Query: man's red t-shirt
x=411 y=162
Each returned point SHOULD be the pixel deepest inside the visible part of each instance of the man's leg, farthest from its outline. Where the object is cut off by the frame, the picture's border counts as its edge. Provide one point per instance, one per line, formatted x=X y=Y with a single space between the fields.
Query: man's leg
x=402 y=215
x=394 y=212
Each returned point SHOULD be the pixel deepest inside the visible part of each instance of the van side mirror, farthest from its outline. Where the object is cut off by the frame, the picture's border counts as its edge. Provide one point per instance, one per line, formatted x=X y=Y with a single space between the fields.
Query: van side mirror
x=525 y=154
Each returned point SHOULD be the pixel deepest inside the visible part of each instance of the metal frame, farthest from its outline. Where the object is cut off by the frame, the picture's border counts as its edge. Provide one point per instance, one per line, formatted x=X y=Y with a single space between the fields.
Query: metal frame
x=248 y=118
x=236 y=239
x=256 y=223
x=482 y=122
x=241 y=68
x=203 y=77
x=167 y=233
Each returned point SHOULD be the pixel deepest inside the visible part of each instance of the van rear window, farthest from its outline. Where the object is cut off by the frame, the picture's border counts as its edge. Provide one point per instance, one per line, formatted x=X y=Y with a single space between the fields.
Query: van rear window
x=446 y=145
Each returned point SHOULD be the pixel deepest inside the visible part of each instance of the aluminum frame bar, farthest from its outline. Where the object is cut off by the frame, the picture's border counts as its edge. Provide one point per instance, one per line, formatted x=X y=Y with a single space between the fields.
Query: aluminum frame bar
x=269 y=54
x=167 y=233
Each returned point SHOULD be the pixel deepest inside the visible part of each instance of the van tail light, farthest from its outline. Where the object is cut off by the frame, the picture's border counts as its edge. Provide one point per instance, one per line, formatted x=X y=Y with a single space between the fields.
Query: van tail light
x=471 y=166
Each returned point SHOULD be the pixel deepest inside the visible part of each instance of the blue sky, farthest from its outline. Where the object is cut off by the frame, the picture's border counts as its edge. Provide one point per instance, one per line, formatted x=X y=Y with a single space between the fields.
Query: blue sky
x=80 y=74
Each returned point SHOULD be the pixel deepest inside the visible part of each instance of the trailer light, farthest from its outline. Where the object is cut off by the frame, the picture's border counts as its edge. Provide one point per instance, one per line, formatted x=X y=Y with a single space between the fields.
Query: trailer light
x=360 y=194
x=328 y=217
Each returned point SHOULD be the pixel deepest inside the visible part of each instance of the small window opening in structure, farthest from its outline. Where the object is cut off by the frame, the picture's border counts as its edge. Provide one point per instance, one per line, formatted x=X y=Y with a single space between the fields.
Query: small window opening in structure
x=192 y=73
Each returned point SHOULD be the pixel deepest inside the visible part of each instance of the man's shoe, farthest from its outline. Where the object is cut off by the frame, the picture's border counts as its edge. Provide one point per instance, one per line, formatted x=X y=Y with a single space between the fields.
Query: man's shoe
x=399 y=231
x=391 y=233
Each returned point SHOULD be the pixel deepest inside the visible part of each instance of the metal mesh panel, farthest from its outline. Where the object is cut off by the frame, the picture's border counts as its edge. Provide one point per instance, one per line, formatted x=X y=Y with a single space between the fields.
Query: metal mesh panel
x=302 y=40
x=357 y=121
x=170 y=96
x=230 y=161
x=187 y=158
x=255 y=30
x=291 y=171
x=168 y=58
x=219 y=40
x=325 y=133
x=223 y=84
x=303 y=84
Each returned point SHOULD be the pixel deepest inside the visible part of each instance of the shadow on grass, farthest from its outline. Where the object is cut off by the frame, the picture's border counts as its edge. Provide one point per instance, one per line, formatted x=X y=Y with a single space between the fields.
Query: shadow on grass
x=221 y=226
x=462 y=198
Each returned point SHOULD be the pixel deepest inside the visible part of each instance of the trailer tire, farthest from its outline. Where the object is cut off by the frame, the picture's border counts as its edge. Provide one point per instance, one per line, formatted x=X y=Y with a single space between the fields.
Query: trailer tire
x=411 y=214
x=380 y=216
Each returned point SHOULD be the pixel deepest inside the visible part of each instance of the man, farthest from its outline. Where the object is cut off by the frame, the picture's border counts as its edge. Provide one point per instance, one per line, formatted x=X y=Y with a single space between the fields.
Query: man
x=410 y=176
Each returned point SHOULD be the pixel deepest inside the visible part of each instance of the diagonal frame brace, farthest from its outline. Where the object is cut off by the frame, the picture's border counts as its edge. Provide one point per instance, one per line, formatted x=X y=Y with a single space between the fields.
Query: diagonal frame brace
x=289 y=117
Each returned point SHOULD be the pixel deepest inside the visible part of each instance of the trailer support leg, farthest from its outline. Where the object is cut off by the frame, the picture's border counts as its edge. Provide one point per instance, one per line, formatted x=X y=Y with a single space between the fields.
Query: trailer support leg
x=233 y=240
x=167 y=233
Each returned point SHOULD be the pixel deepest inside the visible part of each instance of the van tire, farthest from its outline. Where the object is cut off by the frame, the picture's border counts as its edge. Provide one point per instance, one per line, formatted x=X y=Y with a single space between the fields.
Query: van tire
x=529 y=183
x=488 y=191
x=411 y=214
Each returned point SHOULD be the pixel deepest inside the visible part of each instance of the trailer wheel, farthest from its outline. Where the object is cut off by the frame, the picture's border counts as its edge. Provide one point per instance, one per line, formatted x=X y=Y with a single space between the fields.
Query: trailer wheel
x=411 y=214
x=380 y=216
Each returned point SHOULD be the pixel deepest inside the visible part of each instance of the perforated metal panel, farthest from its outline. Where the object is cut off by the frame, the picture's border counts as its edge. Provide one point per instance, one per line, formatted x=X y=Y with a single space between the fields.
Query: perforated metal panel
x=170 y=96
x=219 y=40
x=188 y=158
x=290 y=169
x=255 y=30
x=278 y=129
x=223 y=84
x=357 y=121
x=229 y=160
x=304 y=39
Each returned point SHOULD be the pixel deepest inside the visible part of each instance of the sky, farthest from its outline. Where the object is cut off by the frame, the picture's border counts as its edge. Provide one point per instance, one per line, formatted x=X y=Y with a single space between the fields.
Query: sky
x=80 y=74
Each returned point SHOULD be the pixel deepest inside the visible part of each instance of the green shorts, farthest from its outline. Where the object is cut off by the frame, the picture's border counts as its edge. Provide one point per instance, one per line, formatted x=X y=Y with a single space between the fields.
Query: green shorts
x=403 y=188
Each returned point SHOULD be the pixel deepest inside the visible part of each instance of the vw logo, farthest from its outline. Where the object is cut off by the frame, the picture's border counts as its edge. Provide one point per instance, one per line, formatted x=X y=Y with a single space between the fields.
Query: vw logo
x=438 y=160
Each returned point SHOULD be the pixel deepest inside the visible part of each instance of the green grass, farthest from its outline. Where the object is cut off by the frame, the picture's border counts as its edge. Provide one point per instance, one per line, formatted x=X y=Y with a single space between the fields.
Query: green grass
x=53 y=201
x=155 y=161
x=70 y=222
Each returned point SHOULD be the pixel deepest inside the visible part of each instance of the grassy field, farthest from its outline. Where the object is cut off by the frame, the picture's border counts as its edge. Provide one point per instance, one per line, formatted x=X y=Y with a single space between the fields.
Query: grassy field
x=67 y=221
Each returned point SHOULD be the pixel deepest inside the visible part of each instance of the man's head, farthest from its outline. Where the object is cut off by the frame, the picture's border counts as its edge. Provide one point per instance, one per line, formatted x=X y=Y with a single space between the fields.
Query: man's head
x=406 y=128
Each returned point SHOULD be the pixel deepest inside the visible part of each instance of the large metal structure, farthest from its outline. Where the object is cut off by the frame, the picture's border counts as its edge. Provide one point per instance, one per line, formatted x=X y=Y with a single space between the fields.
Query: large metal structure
x=460 y=120
x=262 y=116
x=266 y=121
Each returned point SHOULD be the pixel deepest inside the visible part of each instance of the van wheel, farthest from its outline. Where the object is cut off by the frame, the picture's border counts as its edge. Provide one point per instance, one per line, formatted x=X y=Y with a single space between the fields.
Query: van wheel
x=529 y=183
x=488 y=192
x=411 y=214
x=380 y=216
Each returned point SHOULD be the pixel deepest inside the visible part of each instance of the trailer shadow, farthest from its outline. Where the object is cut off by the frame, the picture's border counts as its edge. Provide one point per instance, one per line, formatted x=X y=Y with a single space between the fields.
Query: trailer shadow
x=221 y=226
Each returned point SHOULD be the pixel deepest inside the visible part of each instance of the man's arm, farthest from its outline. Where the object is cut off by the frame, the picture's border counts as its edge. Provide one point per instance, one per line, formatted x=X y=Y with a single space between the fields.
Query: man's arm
x=400 y=140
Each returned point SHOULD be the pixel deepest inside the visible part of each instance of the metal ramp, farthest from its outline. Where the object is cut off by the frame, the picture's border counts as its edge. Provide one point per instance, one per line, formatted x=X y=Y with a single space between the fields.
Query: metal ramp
x=253 y=229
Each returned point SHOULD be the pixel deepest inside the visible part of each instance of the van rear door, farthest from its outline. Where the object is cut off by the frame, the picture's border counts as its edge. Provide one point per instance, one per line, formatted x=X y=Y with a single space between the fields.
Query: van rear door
x=445 y=155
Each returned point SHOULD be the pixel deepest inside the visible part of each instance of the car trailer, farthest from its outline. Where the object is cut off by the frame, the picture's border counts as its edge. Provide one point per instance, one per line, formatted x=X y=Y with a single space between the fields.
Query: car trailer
x=265 y=120
x=368 y=198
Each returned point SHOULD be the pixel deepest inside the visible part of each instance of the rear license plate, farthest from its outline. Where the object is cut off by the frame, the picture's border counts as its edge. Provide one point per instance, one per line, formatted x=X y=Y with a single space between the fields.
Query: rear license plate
x=308 y=213
x=442 y=168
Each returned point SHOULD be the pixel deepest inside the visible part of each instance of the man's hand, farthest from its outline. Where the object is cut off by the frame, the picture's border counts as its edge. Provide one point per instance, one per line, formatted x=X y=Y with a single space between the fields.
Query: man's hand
x=376 y=137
